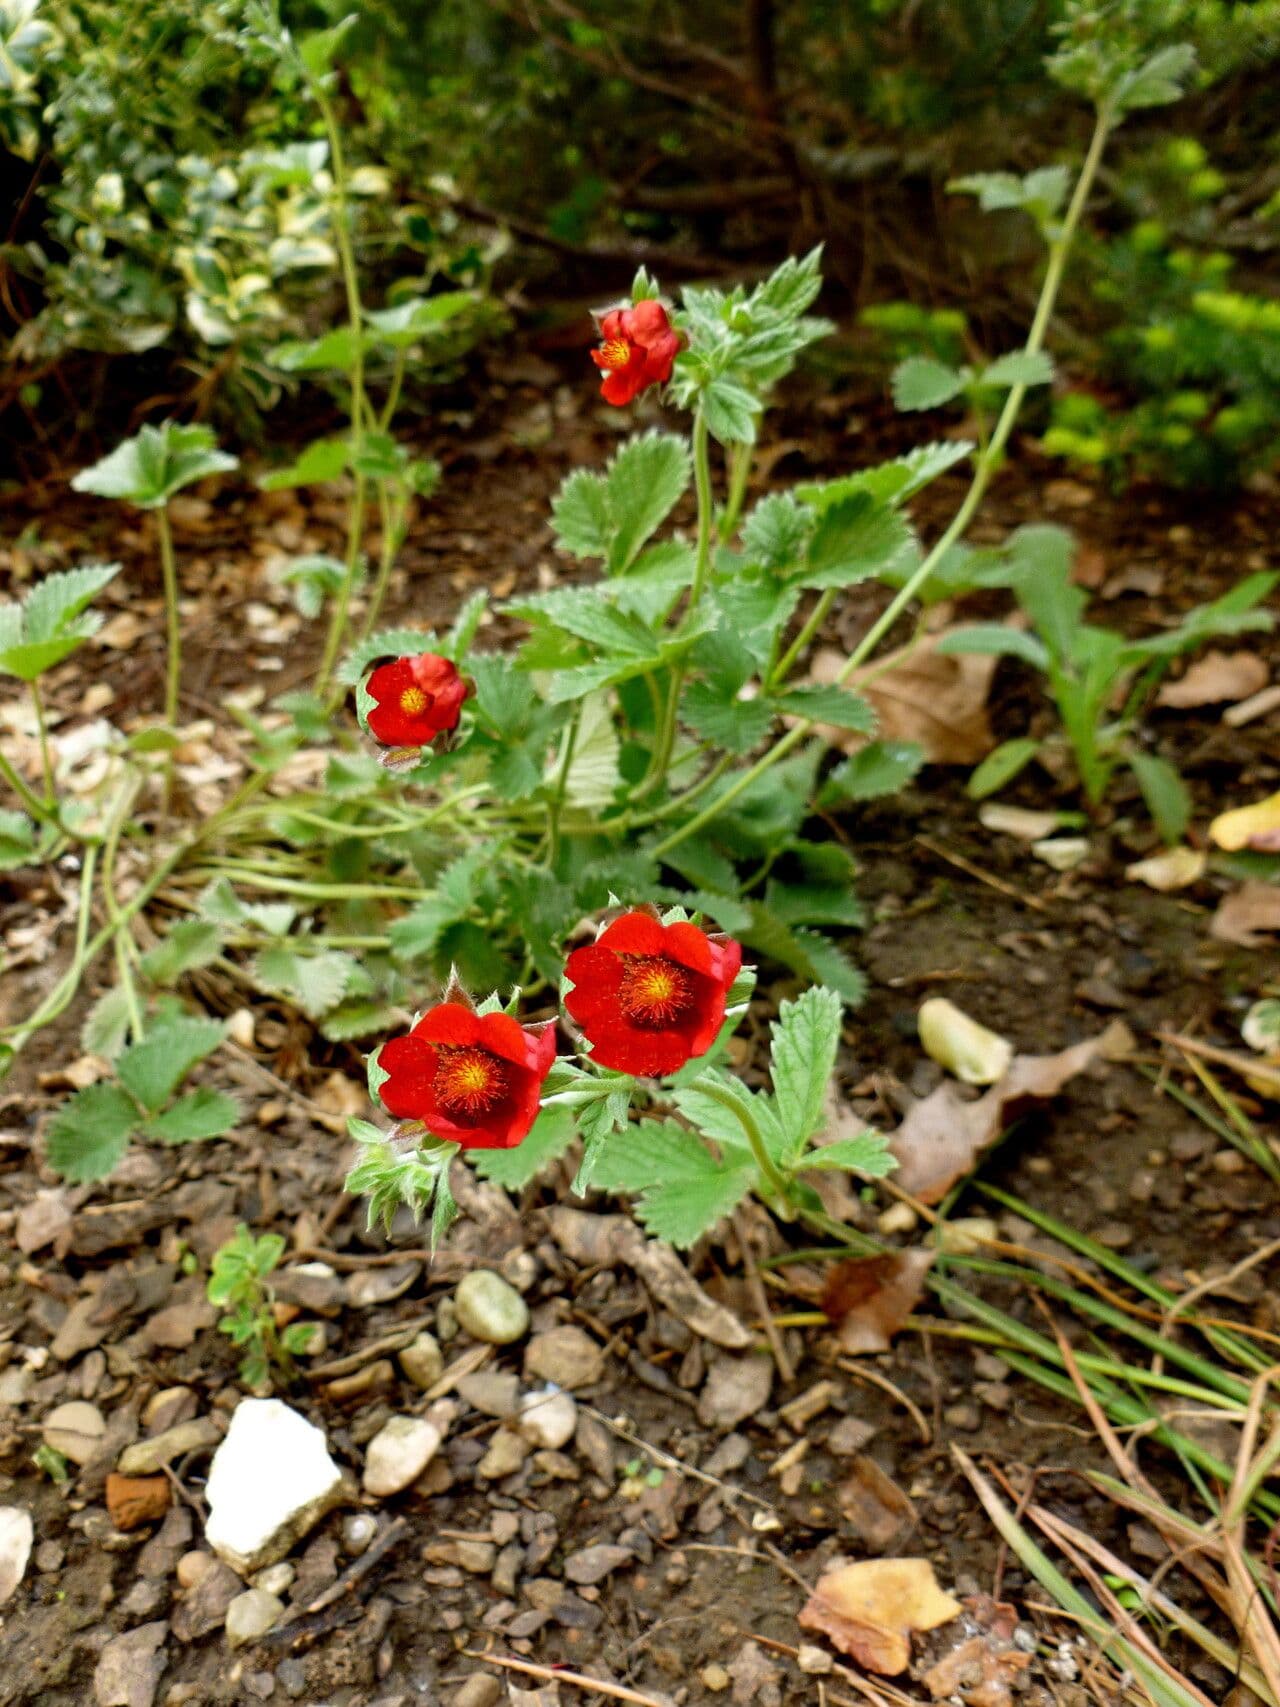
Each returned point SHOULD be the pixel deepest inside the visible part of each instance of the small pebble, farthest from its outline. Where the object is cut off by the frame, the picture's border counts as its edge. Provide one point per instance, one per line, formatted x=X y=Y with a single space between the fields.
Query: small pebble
x=251 y=1615
x=548 y=1418
x=566 y=1357
x=507 y=1453
x=489 y=1309
x=276 y=1579
x=422 y=1361
x=75 y=1430
x=358 y=1530
x=481 y=1689
x=192 y=1566
x=398 y=1454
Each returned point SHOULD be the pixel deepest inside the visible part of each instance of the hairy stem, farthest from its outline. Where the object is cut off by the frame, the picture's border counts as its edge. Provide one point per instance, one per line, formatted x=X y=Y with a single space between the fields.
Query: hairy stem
x=817 y=616
x=769 y=1170
x=37 y=807
x=173 y=667
x=555 y=806
x=46 y=758
x=701 y=568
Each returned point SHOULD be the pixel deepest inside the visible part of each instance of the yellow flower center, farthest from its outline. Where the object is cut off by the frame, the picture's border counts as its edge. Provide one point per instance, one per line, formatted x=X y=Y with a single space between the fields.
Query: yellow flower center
x=413 y=701
x=616 y=353
x=469 y=1081
x=654 y=990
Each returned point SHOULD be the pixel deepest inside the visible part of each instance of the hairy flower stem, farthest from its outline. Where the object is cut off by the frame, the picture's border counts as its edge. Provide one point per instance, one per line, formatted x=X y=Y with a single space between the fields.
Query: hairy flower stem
x=555 y=806
x=37 y=807
x=701 y=569
x=173 y=669
x=393 y=528
x=817 y=616
x=46 y=759
x=985 y=465
x=739 y=474
x=772 y=1175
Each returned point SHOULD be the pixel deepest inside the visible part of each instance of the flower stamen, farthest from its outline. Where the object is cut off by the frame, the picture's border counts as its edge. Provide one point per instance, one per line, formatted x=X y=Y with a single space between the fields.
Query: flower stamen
x=654 y=990
x=469 y=1081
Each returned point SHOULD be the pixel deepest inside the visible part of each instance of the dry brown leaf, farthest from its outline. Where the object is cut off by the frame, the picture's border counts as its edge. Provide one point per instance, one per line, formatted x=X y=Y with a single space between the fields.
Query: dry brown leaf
x=1215 y=678
x=943 y=1135
x=923 y=695
x=871 y=1297
x=1248 y=915
x=870 y=1610
x=874 y=1504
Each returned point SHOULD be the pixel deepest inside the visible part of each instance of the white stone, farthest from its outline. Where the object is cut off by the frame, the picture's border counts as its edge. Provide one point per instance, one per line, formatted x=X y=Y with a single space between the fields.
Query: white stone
x=276 y=1579
x=16 y=1536
x=75 y=1430
x=271 y=1480
x=398 y=1454
x=548 y=1418
x=490 y=1310
x=251 y=1615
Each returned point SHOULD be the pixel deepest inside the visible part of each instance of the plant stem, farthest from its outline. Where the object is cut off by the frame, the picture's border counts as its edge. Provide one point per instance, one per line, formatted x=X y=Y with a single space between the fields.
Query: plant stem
x=555 y=806
x=46 y=759
x=701 y=568
x=37 y=807
x=173 y=667
x=817 y=616
x=739 y=474
x=769 y=1170
x=984 y=467
x=393 y=532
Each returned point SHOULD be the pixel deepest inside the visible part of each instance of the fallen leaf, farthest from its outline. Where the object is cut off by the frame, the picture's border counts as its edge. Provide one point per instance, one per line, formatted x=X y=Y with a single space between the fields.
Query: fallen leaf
x=920 y=694
x=1248 y=915
x=943 y=1135
x=870 y=1610
x=1256 y=827
x=1063 y=853
x=1216 y=677
x=1017 y=821
x=875 y=1505
x=1176 y=868
x=871 y=1297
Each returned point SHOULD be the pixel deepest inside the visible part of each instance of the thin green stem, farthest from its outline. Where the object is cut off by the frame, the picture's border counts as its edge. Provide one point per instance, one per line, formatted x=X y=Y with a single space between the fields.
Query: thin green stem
x=555 y=806
x=769 y=1170
x=393 y=532
x=817 y=616
x=739 y=474
x=46 y=758
x=32 y=802
x=173 y=666
x=984 y=468
x=701 y=569
x=123 y=943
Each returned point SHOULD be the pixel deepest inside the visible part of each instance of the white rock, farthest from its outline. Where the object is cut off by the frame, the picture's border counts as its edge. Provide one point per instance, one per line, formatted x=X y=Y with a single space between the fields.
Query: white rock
x=75 y=1430
x=251 y=1615
x=16 y=1536
x=271 y=1480
x=276 y=1579
x=398 y=1454
x=548 y=1418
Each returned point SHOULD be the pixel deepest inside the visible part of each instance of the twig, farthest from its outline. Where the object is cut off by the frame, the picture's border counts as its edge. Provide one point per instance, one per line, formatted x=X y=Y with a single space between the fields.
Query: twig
x=976 y=871
x=619 y=1691
x=883 y=1382
x=676 y=1464
x=1247 y=1066
x=394 y=1531
x=756 y=1289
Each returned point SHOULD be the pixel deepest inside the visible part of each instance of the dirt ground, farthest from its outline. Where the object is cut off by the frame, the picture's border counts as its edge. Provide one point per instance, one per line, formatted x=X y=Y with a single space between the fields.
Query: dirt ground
x=706 y=1542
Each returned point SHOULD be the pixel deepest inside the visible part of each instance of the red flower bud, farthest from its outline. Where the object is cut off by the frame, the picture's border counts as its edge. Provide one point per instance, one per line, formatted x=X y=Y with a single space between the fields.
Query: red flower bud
x=474 y=1079
x=637 y=349
x=649 y=996
x=416 y=699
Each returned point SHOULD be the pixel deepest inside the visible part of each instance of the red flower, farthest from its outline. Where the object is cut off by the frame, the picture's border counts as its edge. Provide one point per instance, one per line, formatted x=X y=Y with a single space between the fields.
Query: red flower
x=649 y=996
x=637 y=349
x=416 y=699
x=474 y=1079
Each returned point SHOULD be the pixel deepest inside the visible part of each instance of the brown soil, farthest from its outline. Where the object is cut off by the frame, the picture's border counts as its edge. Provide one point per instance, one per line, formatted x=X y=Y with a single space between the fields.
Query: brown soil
x=1046 y=959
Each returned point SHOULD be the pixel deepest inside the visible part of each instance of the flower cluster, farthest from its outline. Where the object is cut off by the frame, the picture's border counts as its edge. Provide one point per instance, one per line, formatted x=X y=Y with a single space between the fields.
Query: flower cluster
x=638 y=347
x=646 y=996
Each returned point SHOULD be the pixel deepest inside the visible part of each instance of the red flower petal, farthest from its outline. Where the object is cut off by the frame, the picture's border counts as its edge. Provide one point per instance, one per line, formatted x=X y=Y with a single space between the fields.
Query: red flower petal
x=450 y=1023
x=646 y=322
x=410 y=1065
x=634 y=933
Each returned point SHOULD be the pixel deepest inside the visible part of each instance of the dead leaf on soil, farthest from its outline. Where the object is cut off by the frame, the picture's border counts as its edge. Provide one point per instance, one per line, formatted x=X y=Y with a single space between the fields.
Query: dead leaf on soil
x=877 y=1508
x=1255 y=827
x=1175 y=868
x=920 y=694
x=869 y=1298
x=1248 y=915
x=870 y=1610
x=943 y=1135
x=1215 y=678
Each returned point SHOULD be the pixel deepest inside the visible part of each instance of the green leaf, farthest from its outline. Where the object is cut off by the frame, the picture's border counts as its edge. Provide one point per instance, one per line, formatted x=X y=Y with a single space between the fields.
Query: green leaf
x=315 y=983
x=598 y=1121
x=879 y=768
x=153 y=1069
x=461 y=635
x=593 y=777
x=806 y=1036
x=1167 y=796
x=829 y=963
x=17 y=840
x=993 y=637
x=202 y=1113
x=189 y=944
x=1158 y=80
x=149 y=468
x=868 y=1155
x=320 y=48
x=853 y=540
x=890 y=482
x=333 y=352
x=320 y=461
x=1019 y=367
x=580 y=514
x=1001 y=766
x=700 y=1104
x=718 y=715
x=775 y=533
x=646 y=480
x=417 y=934
x=730 y=411
x=1041 y=193
x=550 y=1136
x=89 y=1135
x=587 y=615
x=504 y=697
x=386 y=643
x=792 y=287
x=920 y=382
x=814 y=904
x=829 y=704
x=106 y=1027
x=54 y=602
x=682 y=1190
